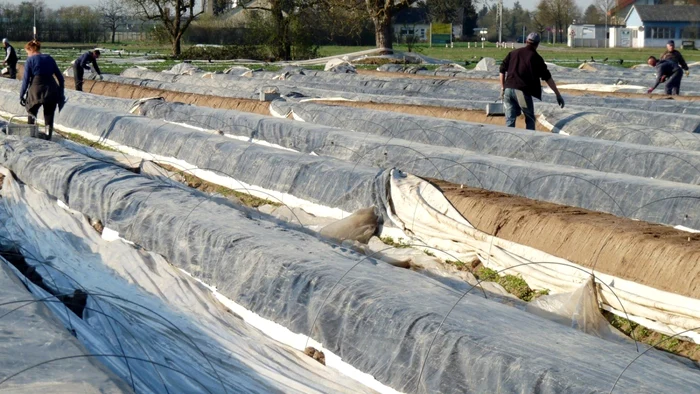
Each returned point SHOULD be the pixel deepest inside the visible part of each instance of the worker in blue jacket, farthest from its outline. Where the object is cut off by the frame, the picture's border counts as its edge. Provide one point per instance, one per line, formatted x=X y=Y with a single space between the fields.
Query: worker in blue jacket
x=83 y=63
x=42 y=86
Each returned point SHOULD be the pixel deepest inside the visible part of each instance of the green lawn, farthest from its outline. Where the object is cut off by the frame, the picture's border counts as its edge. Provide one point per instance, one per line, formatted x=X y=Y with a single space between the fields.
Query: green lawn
x=64 y=53
x=559 y=54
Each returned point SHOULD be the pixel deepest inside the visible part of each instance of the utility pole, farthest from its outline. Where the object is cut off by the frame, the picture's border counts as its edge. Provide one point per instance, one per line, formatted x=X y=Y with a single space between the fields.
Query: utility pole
x=34 y=5
x=606 y=25
x=523 y=34
x=500 y=21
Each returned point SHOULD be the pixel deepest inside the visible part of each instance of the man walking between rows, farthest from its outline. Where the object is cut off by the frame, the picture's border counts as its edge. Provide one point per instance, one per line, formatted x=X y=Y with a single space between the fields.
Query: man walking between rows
x=672 y=54
x=83 y=63
x=521 y=72
x=10 y=58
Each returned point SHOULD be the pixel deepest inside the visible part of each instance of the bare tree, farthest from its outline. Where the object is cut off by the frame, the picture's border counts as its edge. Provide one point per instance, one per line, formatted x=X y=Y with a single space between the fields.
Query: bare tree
x=381 y=12
x=592 y=15
x=114 y=14
x=174 y=15
x=557 y=14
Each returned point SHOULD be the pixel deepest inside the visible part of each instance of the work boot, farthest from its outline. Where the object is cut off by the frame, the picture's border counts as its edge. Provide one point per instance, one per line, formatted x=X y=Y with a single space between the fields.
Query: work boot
x=49 y=132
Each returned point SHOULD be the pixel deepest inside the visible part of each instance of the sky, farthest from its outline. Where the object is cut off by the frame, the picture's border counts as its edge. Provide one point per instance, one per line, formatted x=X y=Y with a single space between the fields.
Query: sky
x=529 y=4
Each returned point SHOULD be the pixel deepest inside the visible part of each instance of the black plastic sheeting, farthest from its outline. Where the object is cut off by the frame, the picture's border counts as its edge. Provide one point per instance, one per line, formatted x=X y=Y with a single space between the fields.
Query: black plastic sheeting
x=379 y=318
x=661 y=163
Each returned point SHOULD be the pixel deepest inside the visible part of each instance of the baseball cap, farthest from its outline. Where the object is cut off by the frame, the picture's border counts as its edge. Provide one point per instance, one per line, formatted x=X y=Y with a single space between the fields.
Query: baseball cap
x=534 y=38
x=670 y=42
x=4 y=40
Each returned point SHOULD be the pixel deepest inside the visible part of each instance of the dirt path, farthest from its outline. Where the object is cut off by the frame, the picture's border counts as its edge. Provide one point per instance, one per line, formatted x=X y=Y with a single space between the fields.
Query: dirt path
x=137 y=92
x=655 y=255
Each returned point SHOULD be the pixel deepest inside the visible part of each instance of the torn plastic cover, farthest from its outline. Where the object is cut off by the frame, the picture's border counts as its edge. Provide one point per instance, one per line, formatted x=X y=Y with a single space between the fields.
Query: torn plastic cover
x=423 y=212
x=378 y=318
x=177 y=335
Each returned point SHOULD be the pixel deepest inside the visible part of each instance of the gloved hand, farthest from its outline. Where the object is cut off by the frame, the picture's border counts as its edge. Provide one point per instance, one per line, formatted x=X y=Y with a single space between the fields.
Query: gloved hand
x=650 y=90
x=560 y=100
x=687 y=73
x=23 y=102
x=503 y=92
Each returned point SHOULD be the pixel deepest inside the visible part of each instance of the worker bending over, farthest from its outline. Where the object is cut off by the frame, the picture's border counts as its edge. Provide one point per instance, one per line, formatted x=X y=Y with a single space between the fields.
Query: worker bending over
x=666 y=71
x=521 y=72
x=83 y=63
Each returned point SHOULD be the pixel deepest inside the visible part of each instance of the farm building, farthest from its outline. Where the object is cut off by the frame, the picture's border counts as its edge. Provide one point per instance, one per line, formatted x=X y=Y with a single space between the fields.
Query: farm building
x=653 y=25
x=588 y=35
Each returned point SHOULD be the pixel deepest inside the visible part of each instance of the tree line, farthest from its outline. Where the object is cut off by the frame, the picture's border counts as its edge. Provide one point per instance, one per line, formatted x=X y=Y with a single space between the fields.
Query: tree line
x=289 y=28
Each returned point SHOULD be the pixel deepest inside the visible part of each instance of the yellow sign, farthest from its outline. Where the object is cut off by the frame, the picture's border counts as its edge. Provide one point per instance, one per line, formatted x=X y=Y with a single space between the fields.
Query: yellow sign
x=441 y=28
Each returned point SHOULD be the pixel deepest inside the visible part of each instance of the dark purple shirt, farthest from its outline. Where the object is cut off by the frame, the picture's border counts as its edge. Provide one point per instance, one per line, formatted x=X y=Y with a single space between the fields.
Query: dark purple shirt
x=524 y=68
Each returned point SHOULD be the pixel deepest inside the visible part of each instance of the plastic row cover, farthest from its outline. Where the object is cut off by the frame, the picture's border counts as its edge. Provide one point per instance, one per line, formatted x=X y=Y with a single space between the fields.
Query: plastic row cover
x=670 y=130
x=358 y=183
x=437 y=88
x=321 y=180
x=380 y=319
x=609 y=75
x=601 y=155
x=623 y=195
x=33 y=334
x=443 y=93
x=639 y=121
x=139 y=305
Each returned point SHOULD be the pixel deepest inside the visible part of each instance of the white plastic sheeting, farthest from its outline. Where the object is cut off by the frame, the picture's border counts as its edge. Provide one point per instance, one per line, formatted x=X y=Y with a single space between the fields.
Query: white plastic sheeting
x=419 y=209
x=386 y=321
x=152 y=310
x=33 y=335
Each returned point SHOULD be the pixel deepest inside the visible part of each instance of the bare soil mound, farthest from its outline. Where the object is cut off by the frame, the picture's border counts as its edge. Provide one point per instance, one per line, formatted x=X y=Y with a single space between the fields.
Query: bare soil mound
x=137 y=92
x=654 y=255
